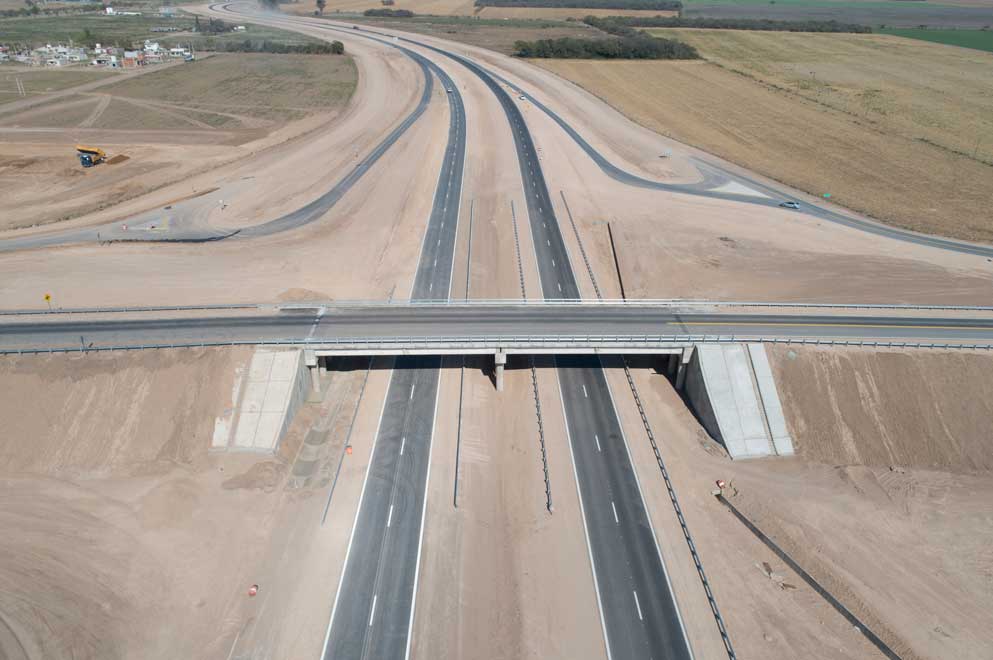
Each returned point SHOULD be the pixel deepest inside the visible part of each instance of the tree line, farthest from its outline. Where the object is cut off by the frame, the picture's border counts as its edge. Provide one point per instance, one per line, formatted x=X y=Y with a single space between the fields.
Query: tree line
x=389 y=13
x=643 y=47
x=624 y=25
x=266 y=46
x=656 y=5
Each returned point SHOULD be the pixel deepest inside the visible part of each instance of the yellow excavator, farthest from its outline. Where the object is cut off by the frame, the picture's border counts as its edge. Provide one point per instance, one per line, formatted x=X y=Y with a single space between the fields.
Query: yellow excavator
x=90 y=156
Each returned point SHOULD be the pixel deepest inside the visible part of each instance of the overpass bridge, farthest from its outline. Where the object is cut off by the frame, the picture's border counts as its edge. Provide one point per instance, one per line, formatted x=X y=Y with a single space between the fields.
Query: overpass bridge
x=499 y=328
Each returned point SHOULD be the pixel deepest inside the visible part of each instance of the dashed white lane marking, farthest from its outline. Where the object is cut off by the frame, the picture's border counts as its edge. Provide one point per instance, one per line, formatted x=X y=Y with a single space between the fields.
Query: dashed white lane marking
x=412 y=390
x=597 y=438
x=435 y=263
x=439 y=241
x=638 y=605
x=585 y=393
x=553 y=263
x=548 y=242
x=389 y=518
x=614 y=507
x=373 y=612
x=403 y=443
x=560 y=287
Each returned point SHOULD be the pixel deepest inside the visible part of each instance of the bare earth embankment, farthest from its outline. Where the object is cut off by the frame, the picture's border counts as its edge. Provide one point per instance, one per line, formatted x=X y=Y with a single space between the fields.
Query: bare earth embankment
x=889 y=127
x=124 y=537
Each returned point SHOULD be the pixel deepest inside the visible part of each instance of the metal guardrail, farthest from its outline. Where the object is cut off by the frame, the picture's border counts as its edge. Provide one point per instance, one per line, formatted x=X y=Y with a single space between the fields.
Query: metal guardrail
x=671 y=341
x=483 y=302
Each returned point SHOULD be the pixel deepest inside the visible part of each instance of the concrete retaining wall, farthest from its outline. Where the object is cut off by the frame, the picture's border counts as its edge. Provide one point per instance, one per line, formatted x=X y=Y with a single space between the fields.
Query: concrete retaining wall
x=734 y=395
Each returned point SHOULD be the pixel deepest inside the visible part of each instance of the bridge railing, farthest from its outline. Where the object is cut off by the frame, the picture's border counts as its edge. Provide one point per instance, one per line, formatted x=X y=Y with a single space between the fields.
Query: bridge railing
x=495 y=302
x=453 y=344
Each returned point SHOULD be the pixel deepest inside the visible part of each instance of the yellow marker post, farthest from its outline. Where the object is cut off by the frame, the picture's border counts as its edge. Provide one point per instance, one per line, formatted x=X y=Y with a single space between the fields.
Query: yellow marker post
x=48 y=299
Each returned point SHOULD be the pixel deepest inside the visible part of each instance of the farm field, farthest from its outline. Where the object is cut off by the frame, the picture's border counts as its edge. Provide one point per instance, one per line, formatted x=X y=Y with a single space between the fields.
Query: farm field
x=975 y=39
x=900 y=130
x=952 y=14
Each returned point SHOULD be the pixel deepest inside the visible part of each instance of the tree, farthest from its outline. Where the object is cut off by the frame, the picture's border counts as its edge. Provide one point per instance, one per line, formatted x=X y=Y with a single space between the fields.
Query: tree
x=337 y=48
x=321 y=4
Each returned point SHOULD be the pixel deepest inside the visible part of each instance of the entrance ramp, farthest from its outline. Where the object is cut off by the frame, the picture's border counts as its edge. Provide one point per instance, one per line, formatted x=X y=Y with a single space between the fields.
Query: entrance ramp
x=733 y=393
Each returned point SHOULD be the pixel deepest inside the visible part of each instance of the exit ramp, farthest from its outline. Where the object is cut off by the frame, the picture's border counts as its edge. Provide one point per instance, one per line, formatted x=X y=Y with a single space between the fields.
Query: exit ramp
x=732 y=390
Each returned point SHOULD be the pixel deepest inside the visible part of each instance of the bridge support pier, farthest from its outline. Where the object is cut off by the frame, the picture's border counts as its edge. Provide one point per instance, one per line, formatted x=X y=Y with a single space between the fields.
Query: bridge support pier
x=673 y=364
x=681 y=368
x=500 y=360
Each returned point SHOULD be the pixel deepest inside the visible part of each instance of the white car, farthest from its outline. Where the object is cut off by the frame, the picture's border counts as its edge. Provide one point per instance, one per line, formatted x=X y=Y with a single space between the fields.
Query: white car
x=522 y=98
x=790 y=205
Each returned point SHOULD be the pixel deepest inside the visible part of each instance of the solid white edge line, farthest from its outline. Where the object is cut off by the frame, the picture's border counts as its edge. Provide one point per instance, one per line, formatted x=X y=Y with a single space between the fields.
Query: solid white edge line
x=582 y=511
x=651 y=525
x=358 y=510
x=424 y=510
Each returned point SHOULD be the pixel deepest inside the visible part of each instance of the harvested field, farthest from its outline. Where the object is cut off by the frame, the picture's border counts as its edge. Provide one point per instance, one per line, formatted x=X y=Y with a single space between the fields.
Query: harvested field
x=887 y=126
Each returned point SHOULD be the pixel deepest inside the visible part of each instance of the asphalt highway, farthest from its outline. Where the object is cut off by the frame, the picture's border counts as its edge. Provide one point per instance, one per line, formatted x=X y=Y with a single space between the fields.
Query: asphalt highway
x=374 y=606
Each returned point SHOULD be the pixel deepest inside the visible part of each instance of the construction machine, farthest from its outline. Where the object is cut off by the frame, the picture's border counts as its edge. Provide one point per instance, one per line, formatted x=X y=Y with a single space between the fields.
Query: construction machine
x=90 y=156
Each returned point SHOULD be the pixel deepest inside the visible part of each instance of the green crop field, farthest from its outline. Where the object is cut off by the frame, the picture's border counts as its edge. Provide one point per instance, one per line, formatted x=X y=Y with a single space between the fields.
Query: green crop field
x=976 y=39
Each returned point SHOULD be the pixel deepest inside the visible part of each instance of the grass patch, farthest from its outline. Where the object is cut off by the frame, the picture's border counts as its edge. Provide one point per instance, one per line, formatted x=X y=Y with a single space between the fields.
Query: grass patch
x=43 y=81
x=263 y=86
x=975 y=39
x=898 y=129
x=108 y=30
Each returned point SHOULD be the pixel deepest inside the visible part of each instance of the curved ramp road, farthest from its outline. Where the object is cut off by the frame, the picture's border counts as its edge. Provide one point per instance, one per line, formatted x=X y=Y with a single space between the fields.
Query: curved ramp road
x=715 y=176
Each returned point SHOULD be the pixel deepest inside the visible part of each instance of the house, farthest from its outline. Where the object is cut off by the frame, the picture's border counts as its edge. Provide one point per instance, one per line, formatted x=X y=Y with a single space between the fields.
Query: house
x=133 y=59
x=179 y=52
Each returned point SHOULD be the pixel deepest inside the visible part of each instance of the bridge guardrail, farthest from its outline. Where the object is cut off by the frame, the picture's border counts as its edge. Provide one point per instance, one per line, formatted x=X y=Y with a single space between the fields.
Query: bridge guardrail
x=496 y=302
x=495 y=342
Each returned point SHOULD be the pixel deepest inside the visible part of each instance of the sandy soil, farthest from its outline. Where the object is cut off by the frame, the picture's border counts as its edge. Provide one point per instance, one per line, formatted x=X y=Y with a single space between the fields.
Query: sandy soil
x=923 y=410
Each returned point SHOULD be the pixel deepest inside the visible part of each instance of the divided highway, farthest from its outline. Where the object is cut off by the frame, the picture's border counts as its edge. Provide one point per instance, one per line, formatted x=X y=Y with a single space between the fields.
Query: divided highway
x=374 y=606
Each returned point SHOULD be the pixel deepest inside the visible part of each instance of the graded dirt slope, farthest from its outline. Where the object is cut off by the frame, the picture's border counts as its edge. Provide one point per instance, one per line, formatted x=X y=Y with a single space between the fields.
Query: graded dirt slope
x=124 y=537
x=171 y=122
x=887 y=127
x=926 y=410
